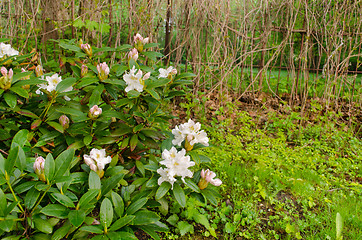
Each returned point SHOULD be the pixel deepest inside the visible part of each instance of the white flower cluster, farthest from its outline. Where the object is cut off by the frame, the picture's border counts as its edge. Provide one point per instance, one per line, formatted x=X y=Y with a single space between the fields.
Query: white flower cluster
x=134 y=80
x=51 y=85
x=7 y=50
x=191 y=132
x=97 y=159
x=164 y=73
x=177 y=164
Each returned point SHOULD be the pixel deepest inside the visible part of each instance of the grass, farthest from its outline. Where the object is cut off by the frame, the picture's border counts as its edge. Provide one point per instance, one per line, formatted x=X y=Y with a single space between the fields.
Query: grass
x=284 y=179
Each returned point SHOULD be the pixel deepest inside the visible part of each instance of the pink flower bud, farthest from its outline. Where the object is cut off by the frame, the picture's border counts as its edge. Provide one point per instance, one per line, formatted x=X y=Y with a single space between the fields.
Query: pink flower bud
x=208 y=177
x=87 y=49
x=103 y=71
x=39 y=165
x=133 y=54
x=137 y=38
x=11 y=73
x=146 y=76
x=39 y=71
x=4 y=71
x=64 y=121
x=146 y=40
x=95 y=111
x=83 y=70
x=174 y=71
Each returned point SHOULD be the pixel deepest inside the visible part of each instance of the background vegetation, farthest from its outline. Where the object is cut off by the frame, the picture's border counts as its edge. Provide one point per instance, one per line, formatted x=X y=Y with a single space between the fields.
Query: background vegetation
x=312 y=47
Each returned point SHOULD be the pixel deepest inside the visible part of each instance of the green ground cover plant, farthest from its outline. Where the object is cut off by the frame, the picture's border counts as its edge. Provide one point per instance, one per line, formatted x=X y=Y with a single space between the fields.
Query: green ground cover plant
x=87 y=152
x=292 y=177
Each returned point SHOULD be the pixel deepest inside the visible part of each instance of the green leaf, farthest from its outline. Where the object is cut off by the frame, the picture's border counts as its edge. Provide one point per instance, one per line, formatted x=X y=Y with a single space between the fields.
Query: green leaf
x=162 y=190
x=149 y=45
x=137 y=205
x=153 y=55
x=96 y=95
x=133 y=94
x=87 y=197
x=12 y=157
x=106 y=214
x=63 y=199
x=87 y=140
x=10 y=99
x=21 y=75
x=111 y=183
x=63 y=162
x=43 y=225
x=92 y=229
x=6 y=225
x=20 y=91
x=185 y=227
x=26 y=113
x=3 y=203
x=121 y=222
x=31 y=198
x=21 y=160
x=76 y=217
x=209 y=196
x=144 y=217
x=179 y=194
x=55 y=210
x=133 y=142
x=78 y=23
x=117 y=203
x=339 y=226
x=192 y=185
x=56 y=126
x=202 y=219
x=150 y=231
x=140 y=167
x=73 y=48
x=150 y=84
x=94 y=181
x=49 y=167
x=153 y=93
x=61 y=232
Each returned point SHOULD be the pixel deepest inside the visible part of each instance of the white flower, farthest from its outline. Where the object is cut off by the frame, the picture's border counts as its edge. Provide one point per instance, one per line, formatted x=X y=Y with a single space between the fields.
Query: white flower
x=200 y=137
x=166 y=176
x=51 y=85
x=177 y=162
x=179 y=136
x=164 y=73
x=7 y=50
x=189 y=131
x=97 y=159
x=134 y=80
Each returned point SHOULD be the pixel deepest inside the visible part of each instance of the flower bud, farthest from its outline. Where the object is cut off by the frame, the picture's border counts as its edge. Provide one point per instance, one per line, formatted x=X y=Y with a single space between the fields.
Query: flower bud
x=64 y=121
x=103 y=71
x=6 y=79
x=94 y=112
x=133 y=54
x=208 y=177
x=39 y=71
x=146 y=40
x=87 y=49
x=39 y=168
x=4 y=71
x=146 y=76
x=137 y=38
x=83 y=70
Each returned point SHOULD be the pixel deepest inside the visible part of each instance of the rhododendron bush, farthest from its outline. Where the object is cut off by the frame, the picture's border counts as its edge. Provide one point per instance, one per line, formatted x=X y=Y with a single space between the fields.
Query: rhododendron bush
x=87 y=152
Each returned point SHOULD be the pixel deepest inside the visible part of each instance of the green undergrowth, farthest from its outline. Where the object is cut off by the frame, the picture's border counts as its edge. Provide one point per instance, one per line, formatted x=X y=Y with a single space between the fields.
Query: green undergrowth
x=286 y=179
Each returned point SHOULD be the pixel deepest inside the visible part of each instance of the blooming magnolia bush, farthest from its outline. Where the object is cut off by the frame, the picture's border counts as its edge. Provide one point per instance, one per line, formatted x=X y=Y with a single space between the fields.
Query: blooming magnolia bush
x=86 y=152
